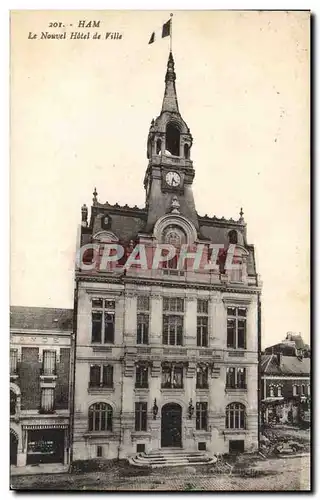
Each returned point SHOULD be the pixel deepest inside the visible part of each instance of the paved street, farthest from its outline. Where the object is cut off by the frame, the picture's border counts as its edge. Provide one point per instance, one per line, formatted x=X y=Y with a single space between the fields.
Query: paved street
x=274 y=474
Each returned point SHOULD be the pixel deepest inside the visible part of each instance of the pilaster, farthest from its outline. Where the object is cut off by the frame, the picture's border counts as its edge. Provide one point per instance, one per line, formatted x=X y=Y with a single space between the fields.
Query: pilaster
x=190 y=328
x=155 y=337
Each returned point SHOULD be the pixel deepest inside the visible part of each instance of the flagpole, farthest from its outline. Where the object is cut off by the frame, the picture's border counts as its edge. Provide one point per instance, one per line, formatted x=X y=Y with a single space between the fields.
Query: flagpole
x=171 y=15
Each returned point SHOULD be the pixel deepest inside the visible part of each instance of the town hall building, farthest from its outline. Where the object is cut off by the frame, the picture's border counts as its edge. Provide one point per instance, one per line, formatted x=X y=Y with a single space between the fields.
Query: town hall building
x=166 y=357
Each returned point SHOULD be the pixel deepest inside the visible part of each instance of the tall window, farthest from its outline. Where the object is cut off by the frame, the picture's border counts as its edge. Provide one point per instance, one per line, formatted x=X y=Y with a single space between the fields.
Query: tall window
x=308 y=390
x=172 y=331
x=236 y=327
x=279 y=394
x=140 y=416
x=13 y=361
x=202 y=377
x=47 y=400
x=143 y=307
x=303 y=391
x=172 y=376
x=236 y=378
x=142 y=376
x=13 y=403
x=49 y=363
x=271 y=391
x=294 y=390
x=201 y=416
x=202 y=323
x=235 y=416
x=103 y=321
x=101 y=376
x=100 y=417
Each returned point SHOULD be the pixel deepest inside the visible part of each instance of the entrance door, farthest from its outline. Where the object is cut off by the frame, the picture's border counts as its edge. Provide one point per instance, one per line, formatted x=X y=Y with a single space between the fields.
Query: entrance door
x=13 y=448
x=171 y=425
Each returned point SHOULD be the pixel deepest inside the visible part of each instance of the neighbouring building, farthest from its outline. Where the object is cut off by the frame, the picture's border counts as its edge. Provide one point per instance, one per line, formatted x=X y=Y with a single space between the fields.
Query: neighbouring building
x=285 y=382
x=40 y=342
x=165 y=357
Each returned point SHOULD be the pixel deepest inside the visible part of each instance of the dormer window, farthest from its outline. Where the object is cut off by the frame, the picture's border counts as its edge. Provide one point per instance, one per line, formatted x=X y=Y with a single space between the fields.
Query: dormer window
x=173 y=139
x=233 y=237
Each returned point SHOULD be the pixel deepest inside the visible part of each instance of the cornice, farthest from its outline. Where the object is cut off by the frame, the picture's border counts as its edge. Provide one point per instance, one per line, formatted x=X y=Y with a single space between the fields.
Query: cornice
x=27 y=331
x=168 y=284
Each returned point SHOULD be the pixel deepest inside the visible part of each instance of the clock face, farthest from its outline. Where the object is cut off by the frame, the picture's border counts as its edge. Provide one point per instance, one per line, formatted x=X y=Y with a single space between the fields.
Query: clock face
x=173 y=179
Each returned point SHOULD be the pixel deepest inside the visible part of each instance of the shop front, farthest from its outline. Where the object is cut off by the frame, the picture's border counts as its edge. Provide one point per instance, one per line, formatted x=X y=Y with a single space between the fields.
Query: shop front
x=46 y=446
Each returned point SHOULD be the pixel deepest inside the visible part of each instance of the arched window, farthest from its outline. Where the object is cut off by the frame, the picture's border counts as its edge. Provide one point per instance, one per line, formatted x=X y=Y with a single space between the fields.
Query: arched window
x=13 y=403
x=176 y=237
x=233 y=237
x=173 y=139
x=158 y=149
x=295 y=390
x=271 y=391
x=100 y=417
x=279 y=394
x=186 y=151
x=235 y=416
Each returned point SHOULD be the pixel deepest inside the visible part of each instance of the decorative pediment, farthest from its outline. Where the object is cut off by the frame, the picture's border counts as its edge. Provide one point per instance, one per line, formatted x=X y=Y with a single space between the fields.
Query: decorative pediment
x=105 y=237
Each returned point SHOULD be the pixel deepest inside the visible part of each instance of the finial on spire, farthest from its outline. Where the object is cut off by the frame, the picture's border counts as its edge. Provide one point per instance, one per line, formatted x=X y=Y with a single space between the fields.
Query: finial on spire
x=241 y=215
x=95 y=196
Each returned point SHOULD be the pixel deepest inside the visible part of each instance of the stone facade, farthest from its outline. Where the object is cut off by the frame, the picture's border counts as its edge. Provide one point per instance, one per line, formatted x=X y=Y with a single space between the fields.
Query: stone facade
x=156 y=363
x=40 y=384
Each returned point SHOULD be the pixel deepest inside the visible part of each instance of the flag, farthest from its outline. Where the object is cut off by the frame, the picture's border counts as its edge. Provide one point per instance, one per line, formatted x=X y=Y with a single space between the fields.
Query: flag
x=166 y=28
x=166 y=31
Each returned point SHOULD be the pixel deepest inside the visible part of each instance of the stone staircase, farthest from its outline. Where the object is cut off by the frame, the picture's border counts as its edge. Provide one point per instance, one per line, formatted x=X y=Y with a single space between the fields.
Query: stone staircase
x=171 y=457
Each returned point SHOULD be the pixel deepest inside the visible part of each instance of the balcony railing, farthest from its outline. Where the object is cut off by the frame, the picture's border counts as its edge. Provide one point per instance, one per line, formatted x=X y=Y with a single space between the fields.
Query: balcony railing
x=142 y=386
x=93 y=385
x=235 y=387
x=202 y=386
x=48 y=373
x=169 y=385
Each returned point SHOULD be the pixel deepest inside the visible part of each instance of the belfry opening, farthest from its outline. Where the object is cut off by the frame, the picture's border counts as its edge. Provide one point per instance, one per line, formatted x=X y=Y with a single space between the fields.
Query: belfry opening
x=173 y=139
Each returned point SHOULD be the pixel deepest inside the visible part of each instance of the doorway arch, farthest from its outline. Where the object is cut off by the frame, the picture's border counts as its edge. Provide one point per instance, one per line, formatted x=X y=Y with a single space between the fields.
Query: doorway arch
x=171 y=425
x=13 y=447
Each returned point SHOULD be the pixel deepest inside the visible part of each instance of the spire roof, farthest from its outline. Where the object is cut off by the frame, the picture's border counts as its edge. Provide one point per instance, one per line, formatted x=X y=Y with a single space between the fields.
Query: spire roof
x=170 y=101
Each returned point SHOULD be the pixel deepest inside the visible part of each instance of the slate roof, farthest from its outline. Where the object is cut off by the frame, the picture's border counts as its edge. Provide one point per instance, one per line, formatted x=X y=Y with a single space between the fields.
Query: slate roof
x=286 y=348
x=289 y=365
x=41 y=318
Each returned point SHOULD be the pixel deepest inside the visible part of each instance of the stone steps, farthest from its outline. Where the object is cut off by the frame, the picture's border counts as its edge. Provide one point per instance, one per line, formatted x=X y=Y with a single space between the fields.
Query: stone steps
x=171 y=458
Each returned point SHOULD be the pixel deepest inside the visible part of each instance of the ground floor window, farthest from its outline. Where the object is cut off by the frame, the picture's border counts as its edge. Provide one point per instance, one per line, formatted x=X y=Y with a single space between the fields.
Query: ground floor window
x=141 y=416
x=100 y=417
x=201 y=416
x=235 y=416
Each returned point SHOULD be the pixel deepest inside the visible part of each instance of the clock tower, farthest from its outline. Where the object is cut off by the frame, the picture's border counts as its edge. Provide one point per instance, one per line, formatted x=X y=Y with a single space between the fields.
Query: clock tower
x=170 y=170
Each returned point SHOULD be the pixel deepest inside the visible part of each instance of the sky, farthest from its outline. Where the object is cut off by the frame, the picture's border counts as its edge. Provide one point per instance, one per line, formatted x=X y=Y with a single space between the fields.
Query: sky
x=80 y=116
